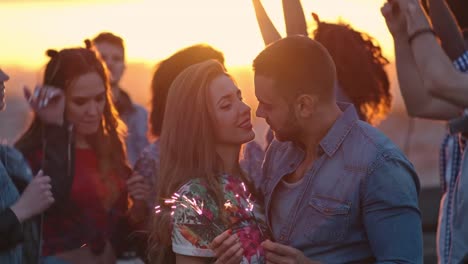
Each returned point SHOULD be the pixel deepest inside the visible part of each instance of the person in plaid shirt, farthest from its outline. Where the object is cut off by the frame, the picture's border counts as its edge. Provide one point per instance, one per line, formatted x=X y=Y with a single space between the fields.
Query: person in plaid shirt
x=433 y=87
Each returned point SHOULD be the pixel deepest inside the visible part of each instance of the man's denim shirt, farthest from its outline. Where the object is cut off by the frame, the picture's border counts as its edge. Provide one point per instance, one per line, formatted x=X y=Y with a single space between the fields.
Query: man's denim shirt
x=358 y=203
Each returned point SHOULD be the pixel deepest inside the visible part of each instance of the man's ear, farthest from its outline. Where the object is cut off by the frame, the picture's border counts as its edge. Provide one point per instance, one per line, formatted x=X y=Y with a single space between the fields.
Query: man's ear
x=305 y=105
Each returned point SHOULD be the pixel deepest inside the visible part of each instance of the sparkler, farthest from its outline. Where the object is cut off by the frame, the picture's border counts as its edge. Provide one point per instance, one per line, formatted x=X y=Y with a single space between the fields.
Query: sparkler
x=250 y=209
x=196 y=206
x=242 y=202
x=192 y=204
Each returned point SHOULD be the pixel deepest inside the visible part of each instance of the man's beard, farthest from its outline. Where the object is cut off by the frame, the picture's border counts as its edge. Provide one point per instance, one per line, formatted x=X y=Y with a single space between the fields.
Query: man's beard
x=287 y=134
x=289 y=131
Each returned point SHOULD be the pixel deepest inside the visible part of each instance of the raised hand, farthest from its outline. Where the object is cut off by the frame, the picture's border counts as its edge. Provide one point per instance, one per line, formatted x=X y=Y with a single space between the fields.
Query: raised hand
x=36 y=198
x=395 y=18
x=227 y=248
x=416 y=17
x=47 y=102
x=268 y=30
x=294 y=18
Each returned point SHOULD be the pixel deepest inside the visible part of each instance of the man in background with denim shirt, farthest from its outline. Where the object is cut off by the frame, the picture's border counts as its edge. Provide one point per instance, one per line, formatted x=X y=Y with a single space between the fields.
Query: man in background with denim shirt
x=336 y=190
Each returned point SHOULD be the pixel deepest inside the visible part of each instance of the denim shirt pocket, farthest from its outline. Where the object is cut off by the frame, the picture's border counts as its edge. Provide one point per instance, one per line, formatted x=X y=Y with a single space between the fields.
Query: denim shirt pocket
x=328 y=220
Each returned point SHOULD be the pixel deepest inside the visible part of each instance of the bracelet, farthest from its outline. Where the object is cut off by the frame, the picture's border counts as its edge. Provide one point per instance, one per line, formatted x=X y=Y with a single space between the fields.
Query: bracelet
x=420 y=32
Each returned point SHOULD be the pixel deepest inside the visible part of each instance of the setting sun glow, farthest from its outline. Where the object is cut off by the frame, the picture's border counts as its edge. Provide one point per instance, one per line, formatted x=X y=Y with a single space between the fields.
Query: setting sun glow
x=153 y=29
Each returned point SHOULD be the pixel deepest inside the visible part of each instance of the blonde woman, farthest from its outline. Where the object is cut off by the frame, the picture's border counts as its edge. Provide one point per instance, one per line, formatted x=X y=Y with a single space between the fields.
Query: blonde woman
x=205 y=124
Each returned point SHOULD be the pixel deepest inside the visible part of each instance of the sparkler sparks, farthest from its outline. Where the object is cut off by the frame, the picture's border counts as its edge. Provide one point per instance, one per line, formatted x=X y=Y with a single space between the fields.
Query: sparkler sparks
x=189 y=203
x=242 y=202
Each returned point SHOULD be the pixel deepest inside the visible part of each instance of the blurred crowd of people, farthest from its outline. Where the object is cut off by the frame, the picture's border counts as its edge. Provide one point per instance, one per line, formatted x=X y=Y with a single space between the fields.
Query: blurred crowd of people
x=84 y=184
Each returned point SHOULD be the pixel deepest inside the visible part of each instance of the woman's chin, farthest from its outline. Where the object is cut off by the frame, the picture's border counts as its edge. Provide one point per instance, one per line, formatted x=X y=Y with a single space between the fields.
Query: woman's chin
x=249 y=137
x=87 y=130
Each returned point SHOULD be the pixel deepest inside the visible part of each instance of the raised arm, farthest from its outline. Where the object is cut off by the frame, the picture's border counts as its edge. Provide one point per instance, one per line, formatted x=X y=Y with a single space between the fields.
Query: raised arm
x=268 y=30
x=446 y=27
x=57 y=139
x=294 y=18
x=442 y=79
x=418 y=101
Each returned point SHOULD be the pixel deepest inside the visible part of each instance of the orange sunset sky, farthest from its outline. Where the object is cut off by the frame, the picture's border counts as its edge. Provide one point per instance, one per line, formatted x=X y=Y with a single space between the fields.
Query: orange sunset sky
x=153 y=29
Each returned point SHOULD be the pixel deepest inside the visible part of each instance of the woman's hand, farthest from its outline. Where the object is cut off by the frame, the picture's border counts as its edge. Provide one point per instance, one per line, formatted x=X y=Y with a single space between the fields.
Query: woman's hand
x=48 y=103
x=227 y=248
x=138 y=187
x=139 y=191
x=395 y=19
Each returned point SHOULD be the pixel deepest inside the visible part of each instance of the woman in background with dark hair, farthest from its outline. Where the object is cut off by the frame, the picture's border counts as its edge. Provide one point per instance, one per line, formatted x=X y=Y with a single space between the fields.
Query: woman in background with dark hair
x=90 y=198
x=360 y=68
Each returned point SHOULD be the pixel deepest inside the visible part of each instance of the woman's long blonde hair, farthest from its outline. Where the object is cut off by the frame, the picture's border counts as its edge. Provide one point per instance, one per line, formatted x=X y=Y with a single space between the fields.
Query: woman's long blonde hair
x=187 y=148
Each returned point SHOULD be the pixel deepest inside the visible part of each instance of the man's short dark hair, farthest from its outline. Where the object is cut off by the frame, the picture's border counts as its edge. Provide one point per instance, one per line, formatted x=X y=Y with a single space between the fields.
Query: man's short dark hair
x=297 y=64
x=110 y=38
